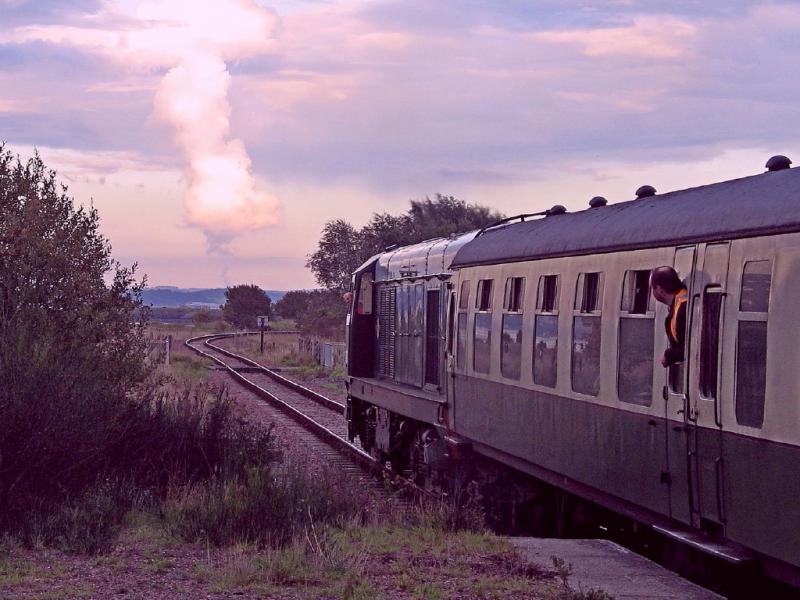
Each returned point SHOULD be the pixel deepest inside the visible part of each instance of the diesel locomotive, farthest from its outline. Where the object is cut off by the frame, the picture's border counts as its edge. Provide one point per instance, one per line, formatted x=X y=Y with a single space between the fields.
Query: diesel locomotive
x=535 y=344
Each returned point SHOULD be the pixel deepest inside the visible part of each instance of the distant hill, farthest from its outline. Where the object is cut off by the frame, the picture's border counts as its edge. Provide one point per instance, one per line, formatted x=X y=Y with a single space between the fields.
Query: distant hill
x=171 y=297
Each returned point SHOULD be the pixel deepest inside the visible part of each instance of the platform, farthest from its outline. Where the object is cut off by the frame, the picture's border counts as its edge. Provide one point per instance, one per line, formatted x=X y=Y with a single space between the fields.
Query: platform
x=604 y=565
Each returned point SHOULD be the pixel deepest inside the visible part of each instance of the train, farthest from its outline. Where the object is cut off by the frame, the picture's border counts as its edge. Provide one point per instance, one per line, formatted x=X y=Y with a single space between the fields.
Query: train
x=534 y=344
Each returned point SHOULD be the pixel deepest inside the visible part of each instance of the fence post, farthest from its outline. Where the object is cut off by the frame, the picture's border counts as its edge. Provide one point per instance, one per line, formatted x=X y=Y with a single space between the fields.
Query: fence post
x=167 y=348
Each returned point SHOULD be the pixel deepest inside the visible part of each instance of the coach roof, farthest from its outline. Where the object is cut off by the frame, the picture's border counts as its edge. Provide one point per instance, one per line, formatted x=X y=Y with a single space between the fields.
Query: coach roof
x=761 y=204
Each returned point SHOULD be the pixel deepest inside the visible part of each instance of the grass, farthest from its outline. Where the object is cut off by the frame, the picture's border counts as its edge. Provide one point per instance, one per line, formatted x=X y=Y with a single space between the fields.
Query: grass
x=283 y=325
x=14 y=571
x=268 y=506
x=287 y=531
x=190 y=369
x=276 y=347
x=70 y=592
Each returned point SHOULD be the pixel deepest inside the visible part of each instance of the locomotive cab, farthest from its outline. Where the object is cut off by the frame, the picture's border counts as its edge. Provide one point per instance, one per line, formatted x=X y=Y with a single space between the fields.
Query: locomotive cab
x=397 y=351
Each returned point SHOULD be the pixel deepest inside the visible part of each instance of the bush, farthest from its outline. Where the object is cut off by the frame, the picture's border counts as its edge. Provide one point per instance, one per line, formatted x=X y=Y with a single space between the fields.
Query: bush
x=170 y=441
x=87 y=524
x=267 y=506
x=71 y=351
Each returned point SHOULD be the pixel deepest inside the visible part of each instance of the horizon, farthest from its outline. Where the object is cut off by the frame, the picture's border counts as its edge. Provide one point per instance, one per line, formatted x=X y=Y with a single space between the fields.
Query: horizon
x=216 y=142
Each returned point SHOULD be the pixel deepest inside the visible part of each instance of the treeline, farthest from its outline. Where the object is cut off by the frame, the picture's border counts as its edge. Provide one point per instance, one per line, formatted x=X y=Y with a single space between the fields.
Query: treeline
x=343 y=248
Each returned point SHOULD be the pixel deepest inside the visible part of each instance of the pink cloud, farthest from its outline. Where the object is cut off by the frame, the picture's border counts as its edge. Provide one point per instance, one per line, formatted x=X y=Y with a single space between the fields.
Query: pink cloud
x=647 y=37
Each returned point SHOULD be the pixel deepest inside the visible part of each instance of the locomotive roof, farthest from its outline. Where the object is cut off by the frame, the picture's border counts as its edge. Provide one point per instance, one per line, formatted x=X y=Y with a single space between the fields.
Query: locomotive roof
x=768 y=203
x=425 y=259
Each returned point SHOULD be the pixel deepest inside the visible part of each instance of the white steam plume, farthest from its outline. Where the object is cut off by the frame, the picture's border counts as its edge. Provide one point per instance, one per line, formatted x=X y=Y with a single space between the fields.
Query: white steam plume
x=192 y=40
x=222 y=197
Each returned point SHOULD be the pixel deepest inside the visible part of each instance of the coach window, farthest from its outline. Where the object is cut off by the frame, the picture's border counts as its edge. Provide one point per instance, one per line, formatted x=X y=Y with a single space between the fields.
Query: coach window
x=545 y=343
x=636 y=338
x=751 y=343
x=709 y=341
x=463 y=307
x=511 y=342
x=482 y=334
x=586 y=334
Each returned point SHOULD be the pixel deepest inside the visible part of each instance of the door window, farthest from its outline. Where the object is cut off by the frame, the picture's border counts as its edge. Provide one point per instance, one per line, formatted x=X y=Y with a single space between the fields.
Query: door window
x=636 y=339
x=709 y=342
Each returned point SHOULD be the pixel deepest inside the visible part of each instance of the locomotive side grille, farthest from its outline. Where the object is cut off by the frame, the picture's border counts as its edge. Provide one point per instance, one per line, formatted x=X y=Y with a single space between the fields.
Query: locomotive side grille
x=387 y=311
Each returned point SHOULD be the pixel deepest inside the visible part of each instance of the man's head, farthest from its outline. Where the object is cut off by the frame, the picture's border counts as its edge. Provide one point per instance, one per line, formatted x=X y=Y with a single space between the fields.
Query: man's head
x=665 y=283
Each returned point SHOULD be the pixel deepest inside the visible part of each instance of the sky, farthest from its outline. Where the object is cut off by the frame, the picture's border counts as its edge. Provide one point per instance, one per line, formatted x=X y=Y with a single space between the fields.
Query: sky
x=217 y=138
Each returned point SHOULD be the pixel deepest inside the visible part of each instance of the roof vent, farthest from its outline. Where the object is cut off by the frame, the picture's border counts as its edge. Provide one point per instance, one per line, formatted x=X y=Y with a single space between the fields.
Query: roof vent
x=645 y=191
x=556 y=210
x=778 y=163
x=597 y=202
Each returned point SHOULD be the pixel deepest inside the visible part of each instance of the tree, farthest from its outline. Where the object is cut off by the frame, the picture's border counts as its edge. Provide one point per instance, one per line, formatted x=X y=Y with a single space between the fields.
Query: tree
x=342 y=248
x=340 y=253
x=324 y=315
x=445 y=215
x=71 y=350
x=293 y=303
x=243 y=303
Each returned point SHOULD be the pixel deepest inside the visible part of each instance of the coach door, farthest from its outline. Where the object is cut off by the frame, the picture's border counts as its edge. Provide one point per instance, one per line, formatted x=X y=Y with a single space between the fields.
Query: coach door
x=704 y=353
x=676 y=407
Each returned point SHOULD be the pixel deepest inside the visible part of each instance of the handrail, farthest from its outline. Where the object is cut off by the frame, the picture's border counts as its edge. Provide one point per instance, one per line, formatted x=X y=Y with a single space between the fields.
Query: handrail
x=521 y=217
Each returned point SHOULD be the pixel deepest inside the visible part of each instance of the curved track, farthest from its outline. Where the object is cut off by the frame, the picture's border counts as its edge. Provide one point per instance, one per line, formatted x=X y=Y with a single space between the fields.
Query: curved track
x=312 y=416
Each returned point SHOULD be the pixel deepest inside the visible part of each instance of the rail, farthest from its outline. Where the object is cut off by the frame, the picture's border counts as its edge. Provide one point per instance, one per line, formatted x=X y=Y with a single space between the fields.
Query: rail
x=363 y=459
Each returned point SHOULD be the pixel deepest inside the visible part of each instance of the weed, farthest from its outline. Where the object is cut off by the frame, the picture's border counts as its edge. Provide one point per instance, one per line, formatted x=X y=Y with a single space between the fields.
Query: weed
x=500 y=587
x=405 y=581
x=563 y=572
x=87 y=524
x=590 y=594
x=563 y=569
x=159 y=565
x=189 y=369
x=67 y=593
x=267 y=506
x=463 y=512
x=353 y=588
x=13 y=572
x=427 y=591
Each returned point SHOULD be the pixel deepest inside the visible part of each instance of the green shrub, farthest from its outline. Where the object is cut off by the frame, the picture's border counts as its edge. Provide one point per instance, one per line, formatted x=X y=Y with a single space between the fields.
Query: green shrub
x=86 y=524
x=169 y=440
x=268 y=507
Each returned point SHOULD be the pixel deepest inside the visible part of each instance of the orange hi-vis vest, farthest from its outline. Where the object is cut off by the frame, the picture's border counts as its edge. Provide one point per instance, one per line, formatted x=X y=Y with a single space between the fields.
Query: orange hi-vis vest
x=680 y=299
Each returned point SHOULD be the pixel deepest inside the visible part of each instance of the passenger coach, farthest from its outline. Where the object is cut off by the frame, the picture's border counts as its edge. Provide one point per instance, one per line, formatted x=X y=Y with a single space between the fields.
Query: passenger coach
x=536 y=343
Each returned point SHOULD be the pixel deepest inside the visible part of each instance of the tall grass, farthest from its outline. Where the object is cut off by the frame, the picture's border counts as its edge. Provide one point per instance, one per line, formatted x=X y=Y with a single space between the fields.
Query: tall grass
x=270 y=506
x=164 y=439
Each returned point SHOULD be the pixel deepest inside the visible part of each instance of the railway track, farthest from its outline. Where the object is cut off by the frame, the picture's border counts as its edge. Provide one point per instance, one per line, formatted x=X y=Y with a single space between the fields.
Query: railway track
x=316 y=419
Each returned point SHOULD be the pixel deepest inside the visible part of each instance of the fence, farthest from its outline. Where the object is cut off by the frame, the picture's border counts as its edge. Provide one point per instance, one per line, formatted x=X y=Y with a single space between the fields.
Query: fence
x=159 y=350
x=328 y=354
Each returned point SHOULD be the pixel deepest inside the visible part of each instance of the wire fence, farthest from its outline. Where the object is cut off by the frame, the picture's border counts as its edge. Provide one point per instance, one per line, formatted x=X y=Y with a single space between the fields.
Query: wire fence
x=329 y=354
